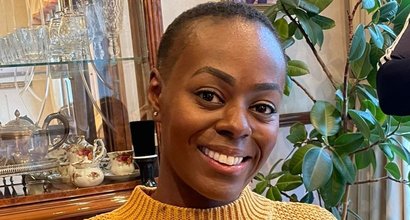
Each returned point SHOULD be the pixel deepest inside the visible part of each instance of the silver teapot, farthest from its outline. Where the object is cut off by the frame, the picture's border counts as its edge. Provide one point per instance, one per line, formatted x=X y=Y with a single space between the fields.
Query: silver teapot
x=25 y=142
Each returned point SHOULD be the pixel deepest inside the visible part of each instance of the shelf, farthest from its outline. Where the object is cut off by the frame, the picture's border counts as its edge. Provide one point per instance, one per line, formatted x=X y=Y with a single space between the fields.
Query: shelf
x=77 y=202
x=112 y=62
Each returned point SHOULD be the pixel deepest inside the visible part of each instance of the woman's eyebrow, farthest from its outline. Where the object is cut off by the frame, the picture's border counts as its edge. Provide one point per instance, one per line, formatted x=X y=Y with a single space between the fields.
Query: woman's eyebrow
x=267 y=86
x=217 y=73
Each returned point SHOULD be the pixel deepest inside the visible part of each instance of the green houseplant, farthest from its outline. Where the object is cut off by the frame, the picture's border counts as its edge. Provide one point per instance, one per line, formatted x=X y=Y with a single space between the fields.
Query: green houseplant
x=349 y=129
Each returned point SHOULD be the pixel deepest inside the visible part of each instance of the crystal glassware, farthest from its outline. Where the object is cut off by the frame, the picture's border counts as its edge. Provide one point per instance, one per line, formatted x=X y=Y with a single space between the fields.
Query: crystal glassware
x=73 y=35
x=94 y=14
x=113 y=24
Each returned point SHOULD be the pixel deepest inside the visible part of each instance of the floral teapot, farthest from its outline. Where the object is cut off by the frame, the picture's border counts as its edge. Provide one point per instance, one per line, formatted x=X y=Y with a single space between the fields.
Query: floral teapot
x=80 y=150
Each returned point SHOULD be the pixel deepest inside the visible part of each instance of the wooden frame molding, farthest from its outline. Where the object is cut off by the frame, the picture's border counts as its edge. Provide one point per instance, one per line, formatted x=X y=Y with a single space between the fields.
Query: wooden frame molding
x=289 y=119
x=153 y=23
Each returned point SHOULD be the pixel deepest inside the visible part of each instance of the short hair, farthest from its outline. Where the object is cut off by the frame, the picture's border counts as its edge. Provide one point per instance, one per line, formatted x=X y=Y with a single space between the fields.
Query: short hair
x=210 y=9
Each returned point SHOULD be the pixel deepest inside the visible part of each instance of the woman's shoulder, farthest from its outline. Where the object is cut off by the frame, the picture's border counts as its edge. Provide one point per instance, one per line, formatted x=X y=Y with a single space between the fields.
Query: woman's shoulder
x=296 y=210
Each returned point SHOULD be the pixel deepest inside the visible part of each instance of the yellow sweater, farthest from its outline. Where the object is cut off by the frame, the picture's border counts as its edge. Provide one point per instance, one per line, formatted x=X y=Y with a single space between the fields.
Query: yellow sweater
x=249 y=206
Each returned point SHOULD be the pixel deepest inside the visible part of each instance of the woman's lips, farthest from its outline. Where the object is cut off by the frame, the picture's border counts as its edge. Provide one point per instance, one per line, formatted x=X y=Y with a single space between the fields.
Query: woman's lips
x=222 y=163
x=222 y=158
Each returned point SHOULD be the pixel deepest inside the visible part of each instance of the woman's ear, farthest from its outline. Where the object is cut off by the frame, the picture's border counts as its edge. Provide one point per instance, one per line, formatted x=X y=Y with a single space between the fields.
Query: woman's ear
x=154 y=92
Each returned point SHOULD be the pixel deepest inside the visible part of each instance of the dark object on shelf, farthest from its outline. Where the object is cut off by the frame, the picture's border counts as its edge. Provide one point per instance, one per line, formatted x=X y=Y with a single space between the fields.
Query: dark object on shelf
x=147 y=169
x=262 y=1
x=143 y=137
x=143 y=140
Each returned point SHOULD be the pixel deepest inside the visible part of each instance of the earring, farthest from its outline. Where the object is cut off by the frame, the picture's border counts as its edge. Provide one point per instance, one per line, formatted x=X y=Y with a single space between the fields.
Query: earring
x=155 y=114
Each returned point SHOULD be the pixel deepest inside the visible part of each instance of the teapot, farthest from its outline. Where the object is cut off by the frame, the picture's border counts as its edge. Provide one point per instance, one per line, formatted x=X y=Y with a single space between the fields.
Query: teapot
x=26 y=142
x=81 y=151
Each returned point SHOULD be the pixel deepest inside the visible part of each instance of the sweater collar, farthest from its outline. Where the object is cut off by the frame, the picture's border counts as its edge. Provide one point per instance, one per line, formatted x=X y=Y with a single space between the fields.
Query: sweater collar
x=248 y=206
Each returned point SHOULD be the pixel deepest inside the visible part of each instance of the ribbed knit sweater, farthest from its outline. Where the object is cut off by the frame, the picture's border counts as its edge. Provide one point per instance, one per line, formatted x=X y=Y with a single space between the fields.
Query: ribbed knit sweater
x=249 y=205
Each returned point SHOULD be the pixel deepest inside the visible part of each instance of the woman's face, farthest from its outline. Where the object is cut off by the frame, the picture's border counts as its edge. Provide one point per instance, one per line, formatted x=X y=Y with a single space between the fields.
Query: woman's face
x=218 y=108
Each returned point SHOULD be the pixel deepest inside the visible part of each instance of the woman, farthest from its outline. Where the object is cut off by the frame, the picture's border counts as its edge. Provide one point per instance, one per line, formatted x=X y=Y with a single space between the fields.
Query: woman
x=215 y=94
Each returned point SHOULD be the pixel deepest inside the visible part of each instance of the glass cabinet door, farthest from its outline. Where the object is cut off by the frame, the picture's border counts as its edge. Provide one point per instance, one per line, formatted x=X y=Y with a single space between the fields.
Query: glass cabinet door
x=85 y=59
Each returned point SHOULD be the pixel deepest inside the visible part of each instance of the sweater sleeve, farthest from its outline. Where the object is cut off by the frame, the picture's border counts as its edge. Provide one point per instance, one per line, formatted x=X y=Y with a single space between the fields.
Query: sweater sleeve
x=393 y=76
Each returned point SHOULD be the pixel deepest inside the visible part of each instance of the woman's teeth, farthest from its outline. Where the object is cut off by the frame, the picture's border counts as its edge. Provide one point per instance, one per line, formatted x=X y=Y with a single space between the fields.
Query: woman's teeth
x=222 y=158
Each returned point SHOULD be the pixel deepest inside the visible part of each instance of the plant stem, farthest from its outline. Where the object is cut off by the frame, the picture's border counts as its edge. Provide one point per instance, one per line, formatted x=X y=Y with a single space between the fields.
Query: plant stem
x=345 y=106
x=376 y=143
x=304 y=89
x=345 y=202
x=366 y=148
x=312 y=47
x=380 y=179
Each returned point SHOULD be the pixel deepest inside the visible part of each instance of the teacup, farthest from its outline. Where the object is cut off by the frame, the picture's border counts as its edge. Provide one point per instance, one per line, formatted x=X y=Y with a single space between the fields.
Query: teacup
x=121 y=162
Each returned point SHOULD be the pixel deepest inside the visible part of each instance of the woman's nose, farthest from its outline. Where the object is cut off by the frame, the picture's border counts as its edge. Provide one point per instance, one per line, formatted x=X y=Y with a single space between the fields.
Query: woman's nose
x=234 y=123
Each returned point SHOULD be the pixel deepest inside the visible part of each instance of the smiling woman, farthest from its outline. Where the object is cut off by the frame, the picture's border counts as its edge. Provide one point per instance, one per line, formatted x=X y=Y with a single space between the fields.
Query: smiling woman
x=218 y=118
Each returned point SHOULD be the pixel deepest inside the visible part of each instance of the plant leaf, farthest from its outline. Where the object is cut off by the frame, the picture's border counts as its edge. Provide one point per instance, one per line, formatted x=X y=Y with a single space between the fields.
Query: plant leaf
x=388 y=11
x=400 y=151
x=297 y=133
x=376 y=17
x=298 y=34
x=261 y=187
x=348 y=142
x=388 y=30
x=297 y=68
x=321 y=4
x=259 y=177
x=282 y=28
x=345 y=166
x=308 y=198
x=317 y=168
x=288 y=86
x=296 y=161
x=358 y=44
x=400 y=19
x=377 y=36
x=308 y=6
x=393 y=169
x=271 y=12
x=333 y=191
x=364 y=159
x=408 y=177
x=360 y=122
x=368 y=4
x=318 y=32
x=287 y=43
x=274 y=175
x=273 y=194
x=336 y=213
x=325 y=118
x=292 y=3
x=368 y=93
x=362 y=66
x=324 y=22
x=289 y=182
x=305 y=23
x=387 y=151
x=285 y=165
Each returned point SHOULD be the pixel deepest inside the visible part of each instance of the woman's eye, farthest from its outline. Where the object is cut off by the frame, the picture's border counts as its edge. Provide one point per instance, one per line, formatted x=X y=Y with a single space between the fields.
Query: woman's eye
x=209 y=96
x=266 y=109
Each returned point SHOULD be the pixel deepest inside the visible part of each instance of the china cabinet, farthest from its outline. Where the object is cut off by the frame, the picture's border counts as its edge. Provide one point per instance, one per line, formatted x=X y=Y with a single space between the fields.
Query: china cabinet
x=88 y=60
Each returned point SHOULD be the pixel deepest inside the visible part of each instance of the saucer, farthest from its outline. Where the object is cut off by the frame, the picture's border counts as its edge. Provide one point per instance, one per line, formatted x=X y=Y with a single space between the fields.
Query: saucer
x=134 y=175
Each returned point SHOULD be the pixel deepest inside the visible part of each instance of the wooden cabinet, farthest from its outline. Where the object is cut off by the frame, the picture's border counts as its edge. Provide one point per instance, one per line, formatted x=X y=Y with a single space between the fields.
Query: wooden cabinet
x=102 y=96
